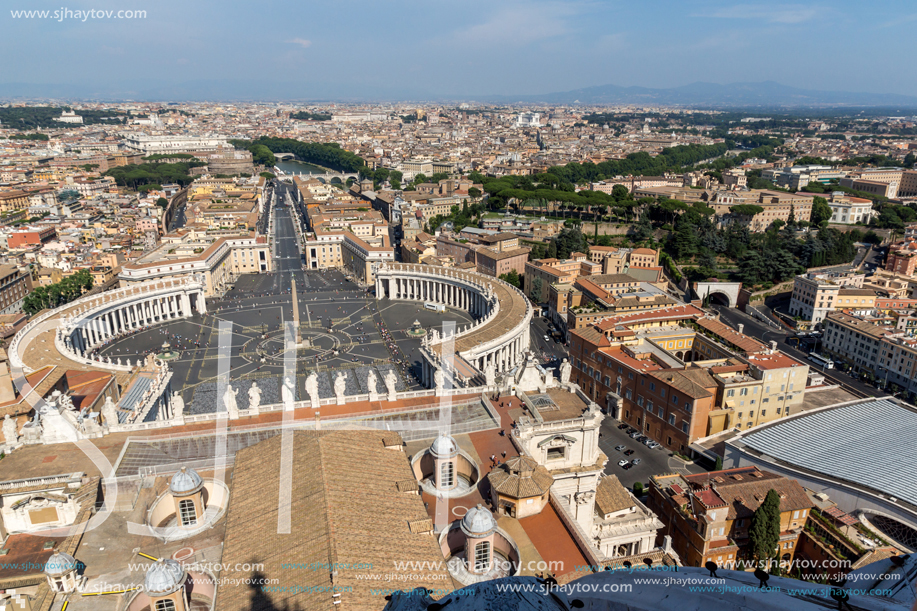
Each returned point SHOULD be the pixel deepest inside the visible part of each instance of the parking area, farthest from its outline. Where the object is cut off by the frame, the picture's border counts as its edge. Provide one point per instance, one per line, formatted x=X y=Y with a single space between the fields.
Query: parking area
x=652 y=461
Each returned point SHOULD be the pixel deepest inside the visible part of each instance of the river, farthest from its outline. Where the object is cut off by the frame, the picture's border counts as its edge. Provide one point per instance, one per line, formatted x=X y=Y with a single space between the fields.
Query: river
x=298 y=167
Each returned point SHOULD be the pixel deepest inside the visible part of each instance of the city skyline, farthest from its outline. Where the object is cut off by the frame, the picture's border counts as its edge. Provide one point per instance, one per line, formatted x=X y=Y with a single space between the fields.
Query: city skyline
x=408 y=51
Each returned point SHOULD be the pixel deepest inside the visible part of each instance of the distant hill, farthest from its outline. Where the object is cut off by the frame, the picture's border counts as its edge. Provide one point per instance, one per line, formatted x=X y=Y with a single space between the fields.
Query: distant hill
x=705 y=95
x=765 y=94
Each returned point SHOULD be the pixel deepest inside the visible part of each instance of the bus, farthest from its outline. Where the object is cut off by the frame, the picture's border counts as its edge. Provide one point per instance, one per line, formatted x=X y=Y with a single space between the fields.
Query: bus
x=436 y=307
x=821 y=361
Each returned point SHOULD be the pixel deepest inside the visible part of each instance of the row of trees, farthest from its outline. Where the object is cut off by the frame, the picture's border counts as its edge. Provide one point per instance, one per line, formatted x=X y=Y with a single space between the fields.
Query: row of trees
x=58 y=294
x=152 y=175
x=769 y=257
x=33 y=117
x=329 y=154
x=310 y=116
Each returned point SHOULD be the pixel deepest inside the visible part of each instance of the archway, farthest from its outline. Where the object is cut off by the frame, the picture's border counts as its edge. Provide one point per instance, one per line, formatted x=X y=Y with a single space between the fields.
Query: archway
x=718 y=298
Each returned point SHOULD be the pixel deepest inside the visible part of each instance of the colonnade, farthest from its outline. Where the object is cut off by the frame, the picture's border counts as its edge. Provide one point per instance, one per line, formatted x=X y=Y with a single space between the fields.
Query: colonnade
x=470 y=292
x=131 y=315
x=435 y=291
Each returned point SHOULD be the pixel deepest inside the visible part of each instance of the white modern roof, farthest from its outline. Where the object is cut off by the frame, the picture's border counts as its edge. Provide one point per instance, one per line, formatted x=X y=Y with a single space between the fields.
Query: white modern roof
x=870 y=444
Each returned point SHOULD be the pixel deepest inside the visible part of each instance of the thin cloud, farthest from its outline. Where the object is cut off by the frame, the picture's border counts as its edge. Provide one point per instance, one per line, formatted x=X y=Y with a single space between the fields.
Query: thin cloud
x=302 y=42
x=778 y=13
x=520 y=24
x=899 y=21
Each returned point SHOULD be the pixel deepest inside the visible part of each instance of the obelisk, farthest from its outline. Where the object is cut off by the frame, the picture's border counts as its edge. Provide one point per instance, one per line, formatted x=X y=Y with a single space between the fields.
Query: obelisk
x=299 y=343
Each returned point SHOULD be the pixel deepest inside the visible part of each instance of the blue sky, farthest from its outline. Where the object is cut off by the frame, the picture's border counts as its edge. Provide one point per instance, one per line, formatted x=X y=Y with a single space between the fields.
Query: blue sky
x=467 y=48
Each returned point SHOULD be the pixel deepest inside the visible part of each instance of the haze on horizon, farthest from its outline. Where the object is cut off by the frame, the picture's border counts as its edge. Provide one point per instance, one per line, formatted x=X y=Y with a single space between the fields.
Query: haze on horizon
x=410 y=49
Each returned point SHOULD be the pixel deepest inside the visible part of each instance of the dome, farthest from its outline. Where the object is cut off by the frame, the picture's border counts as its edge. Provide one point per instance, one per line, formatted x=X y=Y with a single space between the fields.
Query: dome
x=478 y=522
x=185 y=481
x=59 y=563
x=444 y=446
x=163 y=577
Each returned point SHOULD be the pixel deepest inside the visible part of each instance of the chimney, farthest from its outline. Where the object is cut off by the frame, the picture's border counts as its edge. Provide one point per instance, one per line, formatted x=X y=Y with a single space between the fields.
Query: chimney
x=740 y=327
x=773 y=346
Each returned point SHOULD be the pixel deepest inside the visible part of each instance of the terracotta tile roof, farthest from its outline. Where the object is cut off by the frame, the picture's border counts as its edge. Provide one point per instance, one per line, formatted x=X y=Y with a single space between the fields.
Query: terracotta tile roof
x=728 y=334
x=611 y=496
x=520 y=477
x=744 y=491
x=683 y=383
x=346 y=510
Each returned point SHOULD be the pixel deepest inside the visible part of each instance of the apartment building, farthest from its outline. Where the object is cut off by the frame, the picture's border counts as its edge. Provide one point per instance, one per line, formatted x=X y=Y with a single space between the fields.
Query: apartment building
x=551 y=271
x=347 y=237
x=617 y=260
x=872 y=345
x=708 y=515
x=11 y=201
x=815 y=295
x=678 y=384
x=797 y=177
x=14 y=286
x=847 y=210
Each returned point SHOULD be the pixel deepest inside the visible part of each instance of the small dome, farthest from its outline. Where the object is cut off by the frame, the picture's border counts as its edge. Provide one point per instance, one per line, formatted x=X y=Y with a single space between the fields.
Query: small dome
x=163 y=577
x=59 y=563
x=186 y=480
x=478 y=522
x=444 y=446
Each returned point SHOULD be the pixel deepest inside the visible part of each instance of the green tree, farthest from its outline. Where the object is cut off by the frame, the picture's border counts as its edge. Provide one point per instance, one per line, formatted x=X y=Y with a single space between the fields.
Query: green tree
x=535 y=293
x=68 y=194
x=719 y=464
x=267 y=175
x=262 y=155
x=821 y=211
x=764 y=532
x=511 y=277
x=474 y=193
x=162 y=203
x=684 y=241
x=641 y=230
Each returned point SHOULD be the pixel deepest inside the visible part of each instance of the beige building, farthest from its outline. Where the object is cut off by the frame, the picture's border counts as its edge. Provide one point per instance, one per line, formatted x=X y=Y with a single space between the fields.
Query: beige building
x=815 y=295
x=219 y=261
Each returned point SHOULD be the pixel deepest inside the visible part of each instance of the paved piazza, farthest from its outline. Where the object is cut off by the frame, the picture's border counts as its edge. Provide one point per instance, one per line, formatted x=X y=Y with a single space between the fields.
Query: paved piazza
x=343 y=323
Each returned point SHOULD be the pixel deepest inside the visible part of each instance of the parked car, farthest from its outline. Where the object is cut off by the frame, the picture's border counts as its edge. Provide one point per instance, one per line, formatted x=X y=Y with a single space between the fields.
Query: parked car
x=621 y=427
x=630 y=430
x=635 y=461
x=546 y=338
x=628 y=453
x=627 y=466
x=621 y=463
x=653 y=445
x=620 y=448
x=641 y=438
x=648 y=441
x=635 y=434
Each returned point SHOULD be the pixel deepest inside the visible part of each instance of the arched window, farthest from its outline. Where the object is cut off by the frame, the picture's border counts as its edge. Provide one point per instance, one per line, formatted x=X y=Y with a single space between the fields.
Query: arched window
x=165 y=604
x=447 y=475
x=482 y=556
x=188 y=515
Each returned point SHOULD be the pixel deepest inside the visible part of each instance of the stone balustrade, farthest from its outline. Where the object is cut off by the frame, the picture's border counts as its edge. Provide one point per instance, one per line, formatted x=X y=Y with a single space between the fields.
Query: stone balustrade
x=499 y=335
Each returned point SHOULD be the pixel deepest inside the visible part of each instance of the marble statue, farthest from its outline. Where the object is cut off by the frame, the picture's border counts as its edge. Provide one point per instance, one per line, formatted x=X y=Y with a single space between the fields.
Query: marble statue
x=110 y=412
x=254 y=397
x=390 y=381
x=229 y=400
x=371 y=385
x=66 y=402
x=490 y=373
x=119 y=361
x=312 y=389
x=434 y=335
x=439 y=378
x=10 y=435
x=108 y=360
x=340 y=384
x=565 y=369
x=178 y=406
x=286 y=392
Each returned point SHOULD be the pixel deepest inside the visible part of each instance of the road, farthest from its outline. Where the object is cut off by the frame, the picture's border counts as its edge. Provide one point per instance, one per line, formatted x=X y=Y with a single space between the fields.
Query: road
x=760 y=331
x=546 y=349
x=287 y=257
x=652 y=462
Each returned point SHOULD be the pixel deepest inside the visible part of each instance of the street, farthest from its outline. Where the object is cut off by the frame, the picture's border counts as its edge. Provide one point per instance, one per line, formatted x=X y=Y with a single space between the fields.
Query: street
x=760 y=331
x=652 y=462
